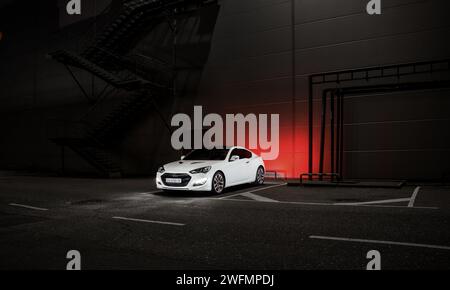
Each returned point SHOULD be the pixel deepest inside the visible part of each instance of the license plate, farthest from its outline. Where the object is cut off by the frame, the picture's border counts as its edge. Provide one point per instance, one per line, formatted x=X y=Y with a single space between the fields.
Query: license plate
x=173 y=180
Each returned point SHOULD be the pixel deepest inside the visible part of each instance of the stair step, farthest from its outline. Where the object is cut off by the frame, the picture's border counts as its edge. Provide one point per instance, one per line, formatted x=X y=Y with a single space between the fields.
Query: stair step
x=70 y=58
x=124 y=28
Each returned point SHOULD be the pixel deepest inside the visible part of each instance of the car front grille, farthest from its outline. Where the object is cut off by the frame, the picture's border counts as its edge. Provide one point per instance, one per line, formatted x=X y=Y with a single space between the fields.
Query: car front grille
x=185 y=178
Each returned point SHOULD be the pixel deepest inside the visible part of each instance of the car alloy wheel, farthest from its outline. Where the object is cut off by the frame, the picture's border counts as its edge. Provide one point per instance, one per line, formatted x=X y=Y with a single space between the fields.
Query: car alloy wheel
x=260 y=176
x=218 y=183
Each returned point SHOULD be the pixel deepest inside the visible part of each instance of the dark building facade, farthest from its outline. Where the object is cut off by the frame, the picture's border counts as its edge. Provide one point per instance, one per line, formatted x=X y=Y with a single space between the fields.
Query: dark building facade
x=252 y=56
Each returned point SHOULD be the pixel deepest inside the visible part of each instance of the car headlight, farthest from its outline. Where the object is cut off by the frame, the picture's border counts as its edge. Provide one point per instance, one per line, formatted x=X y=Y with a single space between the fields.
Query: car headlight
x=201 y=170
x=161 y=169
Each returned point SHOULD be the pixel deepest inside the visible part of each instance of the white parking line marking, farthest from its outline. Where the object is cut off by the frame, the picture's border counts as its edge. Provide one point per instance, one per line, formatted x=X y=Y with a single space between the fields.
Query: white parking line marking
x=256 y=190
x=148 y=221
x=413 y=197
x=258 y=197
x=151 y=192
x=375 y=201
x=272 y=183
x=381 y=242
x=272 y=186
x=326 y=204
x=28 y=206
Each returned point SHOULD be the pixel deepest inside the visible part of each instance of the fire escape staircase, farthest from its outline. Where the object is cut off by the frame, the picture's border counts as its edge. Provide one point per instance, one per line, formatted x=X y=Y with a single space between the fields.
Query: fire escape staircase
x=107 y=59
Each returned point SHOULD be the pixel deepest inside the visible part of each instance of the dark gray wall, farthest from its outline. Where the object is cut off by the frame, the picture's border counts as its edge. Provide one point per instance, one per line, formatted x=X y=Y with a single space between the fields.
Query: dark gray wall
x=38 y=97
x=391 y=136
x=250 y=69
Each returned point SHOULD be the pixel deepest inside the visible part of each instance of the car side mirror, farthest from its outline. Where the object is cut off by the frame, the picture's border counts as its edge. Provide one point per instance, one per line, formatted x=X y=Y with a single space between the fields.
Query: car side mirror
x=182 y=157
x=234 y=158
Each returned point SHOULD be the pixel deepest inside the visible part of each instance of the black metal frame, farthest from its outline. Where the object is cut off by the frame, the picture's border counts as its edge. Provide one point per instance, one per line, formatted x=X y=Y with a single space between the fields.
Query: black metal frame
x=336 y=96
x=80 y=86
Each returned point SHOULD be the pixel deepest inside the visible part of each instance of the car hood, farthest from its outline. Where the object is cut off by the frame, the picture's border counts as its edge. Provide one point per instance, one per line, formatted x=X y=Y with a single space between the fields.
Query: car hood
x=184 y=166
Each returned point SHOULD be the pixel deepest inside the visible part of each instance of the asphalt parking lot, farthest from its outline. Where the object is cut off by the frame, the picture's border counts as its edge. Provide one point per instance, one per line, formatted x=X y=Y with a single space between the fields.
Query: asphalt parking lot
x=128 y=224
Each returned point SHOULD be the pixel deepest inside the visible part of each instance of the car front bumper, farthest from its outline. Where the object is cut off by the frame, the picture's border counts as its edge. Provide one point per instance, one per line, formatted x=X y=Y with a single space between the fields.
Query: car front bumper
x=197 y=182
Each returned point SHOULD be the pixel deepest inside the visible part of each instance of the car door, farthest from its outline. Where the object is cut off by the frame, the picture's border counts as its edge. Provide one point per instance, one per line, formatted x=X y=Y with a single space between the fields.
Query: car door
x=250 y=164
x=246 y=172
x=236 y=169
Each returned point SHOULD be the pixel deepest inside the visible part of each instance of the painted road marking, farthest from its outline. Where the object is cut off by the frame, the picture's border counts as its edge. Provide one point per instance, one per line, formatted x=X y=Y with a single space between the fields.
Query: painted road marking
x=324 y=204
x=272 y=183
x=151 y=192
x=381 y=242
x=28 y=206
x=252 y=191
x=375 y=201
x=147 y=221
x=413 y=197
x=258 y=197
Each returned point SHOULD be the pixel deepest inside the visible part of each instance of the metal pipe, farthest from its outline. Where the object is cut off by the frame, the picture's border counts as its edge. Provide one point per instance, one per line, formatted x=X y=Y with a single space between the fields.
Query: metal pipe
x=338 y=131
x=388 y=67
x=395 y=87
x=332 y=133
x=341 y=160
x=310 y=127
x=294 y=84
x=322 y=131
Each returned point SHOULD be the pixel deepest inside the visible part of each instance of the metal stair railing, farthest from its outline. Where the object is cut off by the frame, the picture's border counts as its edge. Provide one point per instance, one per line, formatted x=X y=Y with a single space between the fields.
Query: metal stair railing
x=130 y=22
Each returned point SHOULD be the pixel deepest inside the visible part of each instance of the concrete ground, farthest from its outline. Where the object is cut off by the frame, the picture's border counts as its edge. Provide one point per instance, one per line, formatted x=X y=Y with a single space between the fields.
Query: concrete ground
x=128 y=224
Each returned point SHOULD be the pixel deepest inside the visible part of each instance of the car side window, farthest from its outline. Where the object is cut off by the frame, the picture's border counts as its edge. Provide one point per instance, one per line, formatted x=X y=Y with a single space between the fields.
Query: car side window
x=244 y=154
x=234 y=152
x=247 y=154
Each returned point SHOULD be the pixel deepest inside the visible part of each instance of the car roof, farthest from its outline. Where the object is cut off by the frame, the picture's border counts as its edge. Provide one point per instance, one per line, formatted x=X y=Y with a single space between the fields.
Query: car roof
x=237 y=147
x=232 y=147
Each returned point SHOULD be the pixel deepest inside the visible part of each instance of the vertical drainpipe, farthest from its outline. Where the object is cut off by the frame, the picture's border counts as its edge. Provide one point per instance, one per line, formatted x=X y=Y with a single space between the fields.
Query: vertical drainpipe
x=294 y=89
x=310 y=127
x=35 y=54
x=175 y=53
x=95 y=37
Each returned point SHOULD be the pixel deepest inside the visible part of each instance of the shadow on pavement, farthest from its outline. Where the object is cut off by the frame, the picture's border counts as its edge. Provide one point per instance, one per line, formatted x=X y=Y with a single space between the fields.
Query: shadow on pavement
x=233 y=189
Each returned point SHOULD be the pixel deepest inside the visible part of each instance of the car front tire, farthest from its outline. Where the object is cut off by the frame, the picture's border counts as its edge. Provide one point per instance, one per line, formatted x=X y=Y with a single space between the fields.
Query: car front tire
x=218 y=183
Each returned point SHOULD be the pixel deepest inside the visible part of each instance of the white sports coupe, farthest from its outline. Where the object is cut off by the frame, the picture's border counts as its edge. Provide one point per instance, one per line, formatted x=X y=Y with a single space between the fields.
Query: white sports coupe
x=212 y=170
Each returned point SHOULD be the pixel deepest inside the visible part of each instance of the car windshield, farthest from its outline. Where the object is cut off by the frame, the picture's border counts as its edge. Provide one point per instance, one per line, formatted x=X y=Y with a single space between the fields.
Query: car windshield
x=204 y=154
